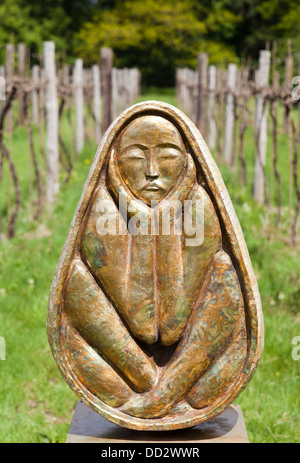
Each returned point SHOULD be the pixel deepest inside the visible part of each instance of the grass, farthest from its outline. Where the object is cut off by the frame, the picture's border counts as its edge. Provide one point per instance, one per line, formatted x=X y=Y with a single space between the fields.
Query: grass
x=36 y=405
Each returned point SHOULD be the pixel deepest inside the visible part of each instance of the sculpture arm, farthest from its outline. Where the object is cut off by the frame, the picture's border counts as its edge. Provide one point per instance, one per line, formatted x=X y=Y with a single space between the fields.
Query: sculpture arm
x=216 y=320
x=96 y=320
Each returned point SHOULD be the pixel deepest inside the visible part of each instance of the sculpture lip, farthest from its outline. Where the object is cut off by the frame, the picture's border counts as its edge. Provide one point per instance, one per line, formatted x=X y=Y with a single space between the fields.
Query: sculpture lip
x=152 y=187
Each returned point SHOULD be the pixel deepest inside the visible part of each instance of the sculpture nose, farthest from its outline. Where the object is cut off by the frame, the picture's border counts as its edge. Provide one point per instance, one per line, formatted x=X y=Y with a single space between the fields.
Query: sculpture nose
x=152 y=172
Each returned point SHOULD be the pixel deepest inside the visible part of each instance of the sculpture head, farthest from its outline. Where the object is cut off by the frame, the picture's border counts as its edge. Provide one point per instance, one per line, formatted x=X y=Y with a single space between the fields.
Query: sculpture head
x=151 y=155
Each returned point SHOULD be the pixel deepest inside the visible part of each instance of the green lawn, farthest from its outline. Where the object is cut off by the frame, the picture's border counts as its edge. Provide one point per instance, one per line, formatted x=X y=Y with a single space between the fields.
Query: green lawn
x=36 y=405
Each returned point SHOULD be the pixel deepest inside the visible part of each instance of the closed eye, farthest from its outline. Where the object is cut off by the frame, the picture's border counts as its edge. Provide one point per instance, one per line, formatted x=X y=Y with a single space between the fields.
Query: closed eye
x=134 y=156
x=134 y=152
x=169 y=155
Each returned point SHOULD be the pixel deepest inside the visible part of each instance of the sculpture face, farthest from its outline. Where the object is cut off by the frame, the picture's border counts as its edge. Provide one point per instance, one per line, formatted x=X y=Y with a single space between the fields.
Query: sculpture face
x=151 y=155
x=150 y=331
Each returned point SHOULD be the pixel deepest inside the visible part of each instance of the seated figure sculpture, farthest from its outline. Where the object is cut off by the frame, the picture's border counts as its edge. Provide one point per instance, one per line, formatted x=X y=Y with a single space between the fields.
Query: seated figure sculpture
x=155 y=328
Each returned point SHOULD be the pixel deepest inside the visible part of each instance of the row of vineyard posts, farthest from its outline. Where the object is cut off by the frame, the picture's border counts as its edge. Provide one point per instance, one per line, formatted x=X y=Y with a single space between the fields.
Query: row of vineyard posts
x=225 y=103
x=45 y=94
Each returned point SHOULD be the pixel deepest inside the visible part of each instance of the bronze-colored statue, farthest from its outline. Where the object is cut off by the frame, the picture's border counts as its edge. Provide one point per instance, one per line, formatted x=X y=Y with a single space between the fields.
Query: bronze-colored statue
x=154 y=314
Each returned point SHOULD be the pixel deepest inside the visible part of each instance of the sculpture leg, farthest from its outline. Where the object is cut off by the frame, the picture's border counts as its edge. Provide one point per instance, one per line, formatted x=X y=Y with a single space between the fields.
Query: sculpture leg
x=216 y=320
x=96 y=320
x=94 y=372
x=220 y=377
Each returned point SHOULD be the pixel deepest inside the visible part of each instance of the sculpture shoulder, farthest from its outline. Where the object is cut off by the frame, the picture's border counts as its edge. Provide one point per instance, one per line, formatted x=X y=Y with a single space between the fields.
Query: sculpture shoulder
x=101 y=204
x=199 y=192
x=211 y=223
x=100 y=194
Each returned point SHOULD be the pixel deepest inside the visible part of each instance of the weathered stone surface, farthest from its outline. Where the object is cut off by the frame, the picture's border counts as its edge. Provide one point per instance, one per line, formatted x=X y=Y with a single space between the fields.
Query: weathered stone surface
x=155 y=328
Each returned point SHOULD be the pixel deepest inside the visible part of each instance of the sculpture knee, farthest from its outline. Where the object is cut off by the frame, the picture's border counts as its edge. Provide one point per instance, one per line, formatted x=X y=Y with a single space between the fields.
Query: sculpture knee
x=223 y=373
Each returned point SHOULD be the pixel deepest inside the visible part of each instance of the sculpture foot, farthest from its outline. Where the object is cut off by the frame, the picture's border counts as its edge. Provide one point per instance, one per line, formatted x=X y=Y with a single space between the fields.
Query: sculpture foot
x=148 y=405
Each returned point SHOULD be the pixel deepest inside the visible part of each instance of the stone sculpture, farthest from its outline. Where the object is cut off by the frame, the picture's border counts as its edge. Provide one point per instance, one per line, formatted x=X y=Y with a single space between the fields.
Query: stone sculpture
x=154 y=314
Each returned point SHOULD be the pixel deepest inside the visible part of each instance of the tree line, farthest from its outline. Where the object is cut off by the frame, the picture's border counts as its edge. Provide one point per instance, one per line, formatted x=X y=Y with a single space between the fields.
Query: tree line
x=157 y=36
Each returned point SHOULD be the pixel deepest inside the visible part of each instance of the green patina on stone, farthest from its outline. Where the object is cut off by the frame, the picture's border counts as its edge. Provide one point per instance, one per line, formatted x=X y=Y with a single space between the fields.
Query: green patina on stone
x=181 y=313
x=144 y=314
x=182 y=310
x=93 y=250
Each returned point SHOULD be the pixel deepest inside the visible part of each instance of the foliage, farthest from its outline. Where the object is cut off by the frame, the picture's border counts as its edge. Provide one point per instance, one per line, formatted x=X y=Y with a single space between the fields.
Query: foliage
x=33 y=22
x=155 y=35
x=282 y=16
x=282 y=22
x=19 y=24
x=158 y=36
x=16 y=24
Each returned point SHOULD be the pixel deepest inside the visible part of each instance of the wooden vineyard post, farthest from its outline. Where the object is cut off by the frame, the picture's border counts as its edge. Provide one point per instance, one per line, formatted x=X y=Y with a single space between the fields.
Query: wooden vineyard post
x=79 y=104
x=229 y=122
x=9 y=74
x=184 y=90
x=51 y=109
x=212 y=80
x=97 y=101
x=289 y=66
x=287 y=120
x=21 y=74
x=262 y=82
x=202 y=86
x=2 y=86
x=134 y=84
x=179 y=85
x=115 y=93
x=35 y=95
x=106 y=86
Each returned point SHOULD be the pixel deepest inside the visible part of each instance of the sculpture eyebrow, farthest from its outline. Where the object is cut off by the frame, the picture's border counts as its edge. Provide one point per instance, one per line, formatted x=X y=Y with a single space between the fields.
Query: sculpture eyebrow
x=170 y=145
x=160 y=145
x=136 y=145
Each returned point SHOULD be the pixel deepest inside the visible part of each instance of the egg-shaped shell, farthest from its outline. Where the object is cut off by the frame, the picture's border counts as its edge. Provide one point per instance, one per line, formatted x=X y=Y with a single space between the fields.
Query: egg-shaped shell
x=233 y=242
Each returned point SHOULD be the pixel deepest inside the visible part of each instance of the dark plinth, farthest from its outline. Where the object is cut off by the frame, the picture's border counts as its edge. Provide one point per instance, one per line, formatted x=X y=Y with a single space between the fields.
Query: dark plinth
x=89 y=427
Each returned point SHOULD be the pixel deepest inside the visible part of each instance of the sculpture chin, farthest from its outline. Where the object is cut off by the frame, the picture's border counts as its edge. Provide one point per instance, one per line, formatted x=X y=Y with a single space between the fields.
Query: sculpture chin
x=151 y=194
